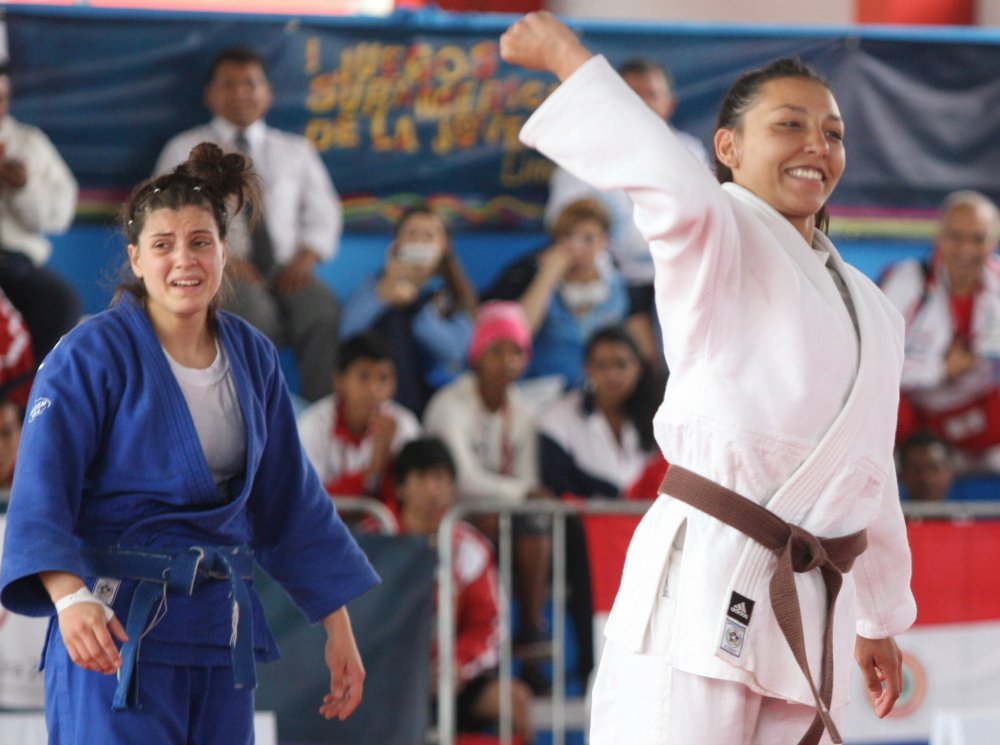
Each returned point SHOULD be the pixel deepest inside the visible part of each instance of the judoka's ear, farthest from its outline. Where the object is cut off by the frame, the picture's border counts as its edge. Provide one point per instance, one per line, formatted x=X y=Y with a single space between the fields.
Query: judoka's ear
x=727 y=148
x=133 y=259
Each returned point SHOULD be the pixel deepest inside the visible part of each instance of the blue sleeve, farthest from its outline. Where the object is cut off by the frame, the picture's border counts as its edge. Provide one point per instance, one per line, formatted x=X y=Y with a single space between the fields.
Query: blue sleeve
x=362 y=309
x=446 y=340
x=298 y=537
x=62 y=432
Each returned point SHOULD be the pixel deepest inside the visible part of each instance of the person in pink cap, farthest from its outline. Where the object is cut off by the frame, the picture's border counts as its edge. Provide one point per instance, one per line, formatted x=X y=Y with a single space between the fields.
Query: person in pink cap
x=490 y=429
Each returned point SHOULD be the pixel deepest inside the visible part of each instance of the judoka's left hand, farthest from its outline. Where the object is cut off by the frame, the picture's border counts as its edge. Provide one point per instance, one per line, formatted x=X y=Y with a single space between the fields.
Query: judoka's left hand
x=882 y=665
x=347 y=673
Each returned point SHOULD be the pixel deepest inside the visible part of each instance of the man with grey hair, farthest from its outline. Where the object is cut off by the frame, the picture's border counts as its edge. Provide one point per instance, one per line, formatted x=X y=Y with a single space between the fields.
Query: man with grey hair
x=951 y=305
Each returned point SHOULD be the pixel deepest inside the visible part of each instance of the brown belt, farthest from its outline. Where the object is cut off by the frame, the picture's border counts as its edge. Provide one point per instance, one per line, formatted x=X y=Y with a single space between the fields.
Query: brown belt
x=798 y=551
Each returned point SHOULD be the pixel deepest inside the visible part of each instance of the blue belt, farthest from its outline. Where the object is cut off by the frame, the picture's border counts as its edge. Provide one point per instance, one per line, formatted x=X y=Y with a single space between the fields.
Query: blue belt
x=179 y=572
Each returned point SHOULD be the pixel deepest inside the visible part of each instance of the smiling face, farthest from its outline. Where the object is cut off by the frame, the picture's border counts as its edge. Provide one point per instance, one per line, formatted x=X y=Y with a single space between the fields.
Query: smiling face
x=179 y=259
x=788 y=148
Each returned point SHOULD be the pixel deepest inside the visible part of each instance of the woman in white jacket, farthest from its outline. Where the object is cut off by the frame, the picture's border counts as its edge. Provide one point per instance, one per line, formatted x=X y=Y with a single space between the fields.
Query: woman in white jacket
x=785 y=366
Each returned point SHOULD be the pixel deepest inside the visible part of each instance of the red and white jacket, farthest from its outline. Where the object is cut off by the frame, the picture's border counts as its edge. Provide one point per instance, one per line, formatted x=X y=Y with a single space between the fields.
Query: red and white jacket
x=340 y=458
x=921 y=294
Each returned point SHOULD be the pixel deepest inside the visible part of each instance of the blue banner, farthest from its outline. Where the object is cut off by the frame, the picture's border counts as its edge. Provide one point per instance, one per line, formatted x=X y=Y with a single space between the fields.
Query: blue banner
x=421 y=106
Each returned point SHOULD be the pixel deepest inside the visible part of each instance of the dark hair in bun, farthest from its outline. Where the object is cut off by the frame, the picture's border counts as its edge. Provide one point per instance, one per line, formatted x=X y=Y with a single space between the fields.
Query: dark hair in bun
x=220 y=183
x=216 y=181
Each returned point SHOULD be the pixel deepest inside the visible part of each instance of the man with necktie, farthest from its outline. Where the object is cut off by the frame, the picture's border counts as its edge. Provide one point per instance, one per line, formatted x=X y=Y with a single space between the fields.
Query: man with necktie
x=272 y=265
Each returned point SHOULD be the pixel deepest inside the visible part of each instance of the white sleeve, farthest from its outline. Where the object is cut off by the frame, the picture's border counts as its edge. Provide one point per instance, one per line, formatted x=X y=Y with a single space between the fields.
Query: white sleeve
x=320 y=218
x=314 y=431
x=885 y=604
x=47 y=201
x=174 y=153
x=564 y=188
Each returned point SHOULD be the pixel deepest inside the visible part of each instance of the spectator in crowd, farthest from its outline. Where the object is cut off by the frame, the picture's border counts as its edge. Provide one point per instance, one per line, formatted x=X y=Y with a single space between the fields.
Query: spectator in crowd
x=11 y=417
x=490 y=430
x=654 y=84
x=424 y=477
x=352 y=435
x=159 y=460
x=926 y=468
x=568 y=291
x=598 y=441
x=37 y=196
x=273 y=265
x=17 y=357
x=951 y=304
x=422 y=302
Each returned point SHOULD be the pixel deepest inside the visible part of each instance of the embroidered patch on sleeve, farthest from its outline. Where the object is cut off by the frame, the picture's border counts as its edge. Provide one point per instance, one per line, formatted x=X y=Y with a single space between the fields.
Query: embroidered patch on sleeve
x=38 y=408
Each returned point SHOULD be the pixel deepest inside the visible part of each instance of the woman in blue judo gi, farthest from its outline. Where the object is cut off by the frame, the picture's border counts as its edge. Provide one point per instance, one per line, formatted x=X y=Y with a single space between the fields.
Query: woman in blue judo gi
x=159 y=459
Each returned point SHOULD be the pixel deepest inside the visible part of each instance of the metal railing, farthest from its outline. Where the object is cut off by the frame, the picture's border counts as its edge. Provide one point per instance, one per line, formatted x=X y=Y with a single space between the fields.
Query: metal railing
x=959 y=511
x=559 y=511
x=369 y=507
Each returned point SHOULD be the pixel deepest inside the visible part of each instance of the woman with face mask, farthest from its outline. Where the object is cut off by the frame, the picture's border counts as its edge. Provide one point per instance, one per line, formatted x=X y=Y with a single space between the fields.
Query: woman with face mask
x=421 y=303
x=568 y=290
x=777 y=420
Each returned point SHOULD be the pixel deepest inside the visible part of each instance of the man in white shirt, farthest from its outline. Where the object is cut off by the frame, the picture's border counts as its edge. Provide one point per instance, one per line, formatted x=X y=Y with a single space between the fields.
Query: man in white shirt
x=37 y=196
x=273 y=266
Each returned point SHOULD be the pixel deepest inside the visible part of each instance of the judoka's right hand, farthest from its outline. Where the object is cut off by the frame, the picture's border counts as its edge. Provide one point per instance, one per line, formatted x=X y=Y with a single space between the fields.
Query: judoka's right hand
x=85 y=630
x=88 y=641
x=540 y=41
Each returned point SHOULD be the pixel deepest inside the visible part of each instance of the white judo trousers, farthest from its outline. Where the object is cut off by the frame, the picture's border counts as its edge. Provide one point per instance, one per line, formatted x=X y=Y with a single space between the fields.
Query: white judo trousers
x=639 y=698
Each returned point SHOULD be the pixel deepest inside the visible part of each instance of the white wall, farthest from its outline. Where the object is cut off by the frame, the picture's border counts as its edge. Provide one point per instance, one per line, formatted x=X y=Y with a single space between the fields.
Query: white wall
x=811 y=12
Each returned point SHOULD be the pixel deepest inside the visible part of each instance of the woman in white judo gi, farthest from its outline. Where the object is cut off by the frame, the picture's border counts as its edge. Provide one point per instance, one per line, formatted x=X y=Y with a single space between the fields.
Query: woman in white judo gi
x=158 y=461
x=748 y=577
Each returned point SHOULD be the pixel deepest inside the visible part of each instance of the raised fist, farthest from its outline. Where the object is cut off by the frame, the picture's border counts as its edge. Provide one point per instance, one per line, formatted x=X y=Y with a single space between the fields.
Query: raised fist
x=540 y=41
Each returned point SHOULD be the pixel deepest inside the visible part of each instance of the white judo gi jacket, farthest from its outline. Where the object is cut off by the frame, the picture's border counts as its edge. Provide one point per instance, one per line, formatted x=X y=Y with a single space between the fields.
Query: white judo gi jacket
x=769 y=395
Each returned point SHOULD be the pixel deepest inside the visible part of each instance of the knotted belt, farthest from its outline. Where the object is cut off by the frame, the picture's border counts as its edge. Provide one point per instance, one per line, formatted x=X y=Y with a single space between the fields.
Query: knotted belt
x=180 y=572
x=797 y=550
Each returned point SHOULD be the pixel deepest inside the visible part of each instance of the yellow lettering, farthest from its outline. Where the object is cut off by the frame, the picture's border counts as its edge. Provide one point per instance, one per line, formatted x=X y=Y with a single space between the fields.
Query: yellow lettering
x=450 y=65
x=444 y=142
x=522 y=168
x=341 y=133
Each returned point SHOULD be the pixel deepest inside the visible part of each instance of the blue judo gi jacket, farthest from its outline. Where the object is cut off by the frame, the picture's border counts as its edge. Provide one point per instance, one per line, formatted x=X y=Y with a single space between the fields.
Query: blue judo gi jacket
x=109 y=456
